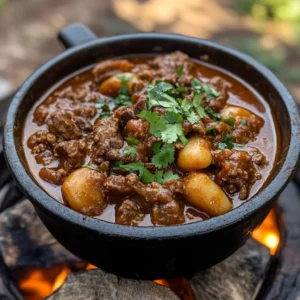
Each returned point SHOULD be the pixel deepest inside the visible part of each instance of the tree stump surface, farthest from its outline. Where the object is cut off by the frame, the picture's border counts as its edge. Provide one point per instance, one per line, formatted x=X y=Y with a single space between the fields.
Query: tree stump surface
x=96 y=284
x=25 y=241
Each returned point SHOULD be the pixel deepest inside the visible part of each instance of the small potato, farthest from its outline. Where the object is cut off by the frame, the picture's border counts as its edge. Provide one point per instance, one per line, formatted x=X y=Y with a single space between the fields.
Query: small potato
x=82 y=190
x=235 y=111
x=110 y=87
x=195 y=155
x=206 y=195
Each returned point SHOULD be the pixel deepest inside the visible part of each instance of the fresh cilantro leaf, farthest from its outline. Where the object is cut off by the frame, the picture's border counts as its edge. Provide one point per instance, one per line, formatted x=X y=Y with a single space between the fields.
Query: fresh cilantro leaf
x=180 y=70
x=146 y=176
x=210 y=92
x=211 y=130
x=230 y=121
x=228 y=143
x=173 y=117
x=125 y=77
x=187 y=109
x=132 y=141
x=169 y=175
x=170 y=134
x=105 y=114
x=130 y=151
x=157 y=123
x=180 y=89
x=158 y=97
x=197 y=104
x=162 y=178
x=91 y=167
x=244 y=123
x=196 y=84
x=156 y=147
x=123 y=97
x=164 y=157
x=215 y=116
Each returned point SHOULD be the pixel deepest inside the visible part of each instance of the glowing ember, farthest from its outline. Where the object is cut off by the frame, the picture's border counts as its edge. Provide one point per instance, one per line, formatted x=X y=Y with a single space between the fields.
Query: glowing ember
x=268 y=233
x=61 y=278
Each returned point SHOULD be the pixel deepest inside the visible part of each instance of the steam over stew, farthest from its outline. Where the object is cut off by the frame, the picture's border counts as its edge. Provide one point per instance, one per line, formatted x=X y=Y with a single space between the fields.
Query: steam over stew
x=151 y=141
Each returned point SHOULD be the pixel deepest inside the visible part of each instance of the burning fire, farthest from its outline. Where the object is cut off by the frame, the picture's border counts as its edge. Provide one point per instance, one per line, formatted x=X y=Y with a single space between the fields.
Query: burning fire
x=38 y=283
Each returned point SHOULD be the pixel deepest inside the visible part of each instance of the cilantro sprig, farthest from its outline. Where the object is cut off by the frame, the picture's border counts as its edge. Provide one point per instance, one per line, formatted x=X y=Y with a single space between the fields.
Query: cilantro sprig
x=228 y=143
x=202 y=89
x=144 y=174
x=123 y=97
x=130 y=151
x=163 y=155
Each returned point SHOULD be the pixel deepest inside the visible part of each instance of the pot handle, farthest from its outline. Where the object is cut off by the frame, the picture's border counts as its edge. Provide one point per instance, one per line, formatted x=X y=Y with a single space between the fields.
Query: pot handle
x=75 y=34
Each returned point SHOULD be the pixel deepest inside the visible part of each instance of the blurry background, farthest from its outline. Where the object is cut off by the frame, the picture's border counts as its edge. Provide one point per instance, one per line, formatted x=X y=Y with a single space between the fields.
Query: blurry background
x=268 y=30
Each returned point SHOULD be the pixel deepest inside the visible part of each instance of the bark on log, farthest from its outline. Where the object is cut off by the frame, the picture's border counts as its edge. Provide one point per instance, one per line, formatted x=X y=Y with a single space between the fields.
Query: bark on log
x=25 y=241
x=8 y=290
x=96 y=284
x=286 y=278
x=238 y=277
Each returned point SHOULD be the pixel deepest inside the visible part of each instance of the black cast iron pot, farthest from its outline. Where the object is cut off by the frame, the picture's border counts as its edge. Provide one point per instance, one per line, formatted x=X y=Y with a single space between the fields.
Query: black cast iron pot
x=152 y=252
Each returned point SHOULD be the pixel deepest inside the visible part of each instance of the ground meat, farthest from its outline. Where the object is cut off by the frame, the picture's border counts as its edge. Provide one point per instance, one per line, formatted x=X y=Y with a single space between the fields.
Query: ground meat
x=40 y=114
x=166 y=66
x=199 y=127
x=258 y=158
x=62 y=123
x=129 y=213
x=170 y=213
x=137 y=129
x=110 y=68
x=221 y=129
x=117 y=186
x=245 y=133
x=53 y=175
x=41 y=144
x=235 y=171
x=124 y=114
x=144 y=72
x=107 y=140
x=222 y=86
x=71 y=154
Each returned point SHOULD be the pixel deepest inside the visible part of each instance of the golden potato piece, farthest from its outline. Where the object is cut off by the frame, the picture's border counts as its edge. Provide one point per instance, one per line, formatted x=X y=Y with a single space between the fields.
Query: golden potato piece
x=82 y=190
x=195 y=155
x=235 y=111
x=206 y=195
x=110 y=87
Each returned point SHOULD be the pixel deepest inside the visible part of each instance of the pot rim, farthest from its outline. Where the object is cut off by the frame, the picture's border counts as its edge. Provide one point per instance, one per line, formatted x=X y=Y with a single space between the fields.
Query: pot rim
x=41 y=199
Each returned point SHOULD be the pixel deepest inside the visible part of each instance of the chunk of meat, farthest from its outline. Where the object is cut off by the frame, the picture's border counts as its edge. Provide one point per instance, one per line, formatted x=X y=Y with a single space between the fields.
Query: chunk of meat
x=170 y=213
x=53 y=175
x=62 y=124
x=222 y=86
x=235 y=171
x=137 y=129
x=40 y=114
x=107 y=139
x=166 y=66
x=116 y=185
x=129 y=213
x=109 y=68
x=71 y=154
x=41 y=144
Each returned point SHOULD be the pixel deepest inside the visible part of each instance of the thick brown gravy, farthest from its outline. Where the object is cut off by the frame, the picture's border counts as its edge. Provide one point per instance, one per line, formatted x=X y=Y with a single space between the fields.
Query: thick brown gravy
x=240 y=94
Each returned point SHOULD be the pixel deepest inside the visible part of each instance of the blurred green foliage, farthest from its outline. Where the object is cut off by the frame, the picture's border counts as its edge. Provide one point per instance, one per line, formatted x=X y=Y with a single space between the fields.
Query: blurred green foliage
x=280 y=10
x=277 y=59
x=2 y=3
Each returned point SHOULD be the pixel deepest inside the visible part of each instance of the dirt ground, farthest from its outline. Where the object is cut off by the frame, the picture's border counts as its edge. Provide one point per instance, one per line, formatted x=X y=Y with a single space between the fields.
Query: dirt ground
x=28 y=28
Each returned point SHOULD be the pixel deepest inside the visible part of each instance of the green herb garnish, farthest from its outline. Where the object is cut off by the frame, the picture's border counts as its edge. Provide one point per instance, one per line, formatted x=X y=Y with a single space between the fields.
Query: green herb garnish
x=163 y=156
x=130 y=151
x=91 y=167
x=230 y=121
x=244 y=123
x=212 y=130
x=228 y=143
x=180 y=70
x=210 y=92
x=215 y=116
x=132 y=141
x=123 y=97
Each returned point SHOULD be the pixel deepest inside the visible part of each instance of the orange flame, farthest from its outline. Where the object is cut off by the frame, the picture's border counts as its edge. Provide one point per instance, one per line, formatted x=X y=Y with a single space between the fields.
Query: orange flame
x=268 y=232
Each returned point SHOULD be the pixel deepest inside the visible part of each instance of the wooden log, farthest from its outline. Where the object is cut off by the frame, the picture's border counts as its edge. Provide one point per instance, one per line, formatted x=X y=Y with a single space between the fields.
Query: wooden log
x=8 y=290
x=238 y=277
x=25 y=241
x=285 y=279
x=96 y=284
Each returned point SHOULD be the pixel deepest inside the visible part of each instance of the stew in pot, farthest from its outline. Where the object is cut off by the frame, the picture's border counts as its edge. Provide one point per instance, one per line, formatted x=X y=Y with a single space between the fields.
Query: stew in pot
x=151 y=141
